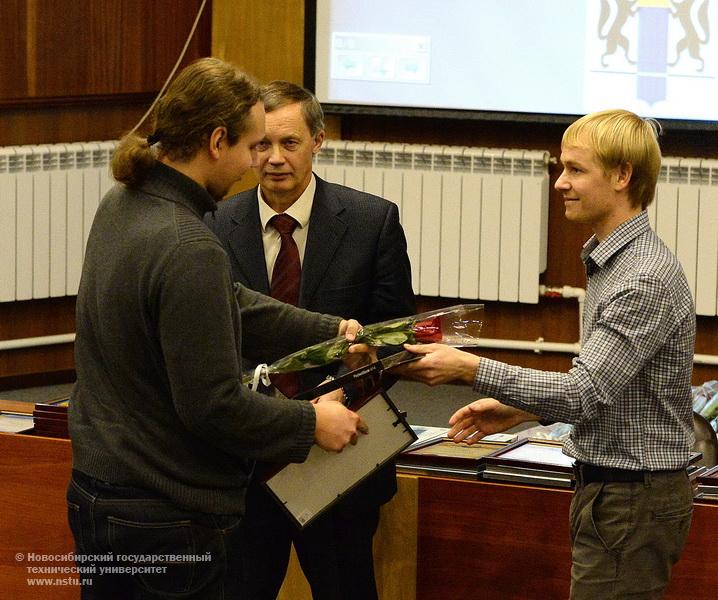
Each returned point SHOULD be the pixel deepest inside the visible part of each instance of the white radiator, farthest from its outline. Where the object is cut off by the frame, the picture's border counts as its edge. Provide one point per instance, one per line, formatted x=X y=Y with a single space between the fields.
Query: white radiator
x=476 y=219
x=685 y=216
x=48 y=198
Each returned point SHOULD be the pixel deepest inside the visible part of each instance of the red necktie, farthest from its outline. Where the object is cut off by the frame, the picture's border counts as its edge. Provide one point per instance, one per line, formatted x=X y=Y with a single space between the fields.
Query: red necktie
x=287 y=272
x=286 y=278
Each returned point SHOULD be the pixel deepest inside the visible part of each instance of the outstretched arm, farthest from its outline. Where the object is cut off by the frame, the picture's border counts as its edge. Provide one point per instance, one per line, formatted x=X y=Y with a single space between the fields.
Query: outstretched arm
x=439 y=364
x=484 y=417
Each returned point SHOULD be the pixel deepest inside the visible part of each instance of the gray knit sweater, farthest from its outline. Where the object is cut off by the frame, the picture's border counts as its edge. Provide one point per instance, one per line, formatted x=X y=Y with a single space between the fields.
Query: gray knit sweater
x=158 y=402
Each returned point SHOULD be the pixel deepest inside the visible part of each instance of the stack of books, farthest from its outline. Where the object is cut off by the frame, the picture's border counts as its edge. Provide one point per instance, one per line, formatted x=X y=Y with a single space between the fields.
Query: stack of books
x=50 y=419
x=707 y=485
x=534 y=462
x=433 y=454
x=530 y=461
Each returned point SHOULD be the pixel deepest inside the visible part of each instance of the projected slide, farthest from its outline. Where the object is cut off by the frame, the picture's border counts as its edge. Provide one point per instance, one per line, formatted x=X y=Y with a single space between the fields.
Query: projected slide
x=656 y=57
x=378 y=57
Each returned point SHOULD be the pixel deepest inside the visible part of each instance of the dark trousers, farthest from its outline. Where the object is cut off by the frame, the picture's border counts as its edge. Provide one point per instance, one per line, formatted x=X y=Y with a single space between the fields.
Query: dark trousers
x=133 y=546
x=334 y=551
x=626 y=537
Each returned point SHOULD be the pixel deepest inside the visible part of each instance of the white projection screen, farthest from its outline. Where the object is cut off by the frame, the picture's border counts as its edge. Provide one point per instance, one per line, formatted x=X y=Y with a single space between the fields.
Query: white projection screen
x=531 y=57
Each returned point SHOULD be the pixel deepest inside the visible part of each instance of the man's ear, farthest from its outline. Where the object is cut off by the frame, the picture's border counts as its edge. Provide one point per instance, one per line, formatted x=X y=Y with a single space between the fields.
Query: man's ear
x=622 y=176
x=318 y=141
x=215 y=141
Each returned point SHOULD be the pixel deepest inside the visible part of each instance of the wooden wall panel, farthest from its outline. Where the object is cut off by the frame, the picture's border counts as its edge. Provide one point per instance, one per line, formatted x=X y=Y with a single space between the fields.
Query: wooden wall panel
x=79 y=71
x=94 y=47
x=25 y=367
x=13 y=47
x=100 y=120
x=266 y=39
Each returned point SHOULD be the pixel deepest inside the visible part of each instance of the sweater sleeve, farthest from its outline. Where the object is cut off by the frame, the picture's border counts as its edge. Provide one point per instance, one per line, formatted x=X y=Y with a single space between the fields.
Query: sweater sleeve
x=200 y=333
x=272 y=329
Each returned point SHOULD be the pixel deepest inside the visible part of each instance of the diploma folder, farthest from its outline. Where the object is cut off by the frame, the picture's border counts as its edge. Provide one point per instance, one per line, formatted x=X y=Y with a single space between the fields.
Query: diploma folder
x=307 y=489
x=535 y=462
x=447 y=458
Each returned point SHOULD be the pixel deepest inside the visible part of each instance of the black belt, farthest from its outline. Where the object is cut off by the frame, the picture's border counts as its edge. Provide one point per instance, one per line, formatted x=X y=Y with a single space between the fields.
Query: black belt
x=586 y=473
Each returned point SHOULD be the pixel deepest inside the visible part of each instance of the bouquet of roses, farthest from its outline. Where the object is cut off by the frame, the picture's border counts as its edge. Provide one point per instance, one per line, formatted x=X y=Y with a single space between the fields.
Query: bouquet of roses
x=456 y=326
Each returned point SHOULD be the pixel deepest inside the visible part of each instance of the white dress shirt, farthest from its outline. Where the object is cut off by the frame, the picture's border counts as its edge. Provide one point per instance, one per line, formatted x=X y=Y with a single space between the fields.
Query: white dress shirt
x=300 y=211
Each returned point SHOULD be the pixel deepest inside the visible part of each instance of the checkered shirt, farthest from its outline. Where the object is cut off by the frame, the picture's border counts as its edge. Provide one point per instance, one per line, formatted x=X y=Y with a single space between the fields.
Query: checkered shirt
x=628 y=392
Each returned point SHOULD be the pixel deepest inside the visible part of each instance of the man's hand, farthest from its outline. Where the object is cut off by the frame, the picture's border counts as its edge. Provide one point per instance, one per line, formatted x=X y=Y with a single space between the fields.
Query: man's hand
x=438 y=364
x=333 y=396
x=359 y=355
x=484 y=417
x=349 y=329
x=337 y=426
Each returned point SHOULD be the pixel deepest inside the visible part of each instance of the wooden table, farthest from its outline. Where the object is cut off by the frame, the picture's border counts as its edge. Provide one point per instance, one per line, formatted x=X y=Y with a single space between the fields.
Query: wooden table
x=34 y=472
x=438 y=537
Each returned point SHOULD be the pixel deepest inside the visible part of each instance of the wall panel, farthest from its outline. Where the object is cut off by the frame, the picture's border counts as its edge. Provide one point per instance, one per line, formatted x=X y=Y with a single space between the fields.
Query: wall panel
x=266 y=39
x=78 y=71
x=94 y=47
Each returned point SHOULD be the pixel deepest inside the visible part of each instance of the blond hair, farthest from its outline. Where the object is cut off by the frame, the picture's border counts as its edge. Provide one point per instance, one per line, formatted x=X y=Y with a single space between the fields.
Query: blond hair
x=620 y=137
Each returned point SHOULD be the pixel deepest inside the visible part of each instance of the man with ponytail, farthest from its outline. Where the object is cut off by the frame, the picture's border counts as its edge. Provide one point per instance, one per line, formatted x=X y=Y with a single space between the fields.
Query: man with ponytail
x=164 y=435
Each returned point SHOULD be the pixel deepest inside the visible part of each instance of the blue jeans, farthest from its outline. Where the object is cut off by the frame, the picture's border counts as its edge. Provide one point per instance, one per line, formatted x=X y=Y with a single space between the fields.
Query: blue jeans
x=132 y=545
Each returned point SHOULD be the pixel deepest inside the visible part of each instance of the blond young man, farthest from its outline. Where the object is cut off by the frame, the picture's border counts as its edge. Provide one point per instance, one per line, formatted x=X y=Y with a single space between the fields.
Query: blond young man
x=628 y=392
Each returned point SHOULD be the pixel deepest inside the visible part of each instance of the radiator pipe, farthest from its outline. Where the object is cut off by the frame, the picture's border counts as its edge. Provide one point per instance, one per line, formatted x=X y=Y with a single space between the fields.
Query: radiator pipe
x=705 y=359
x=45 y=340
x=539 y=345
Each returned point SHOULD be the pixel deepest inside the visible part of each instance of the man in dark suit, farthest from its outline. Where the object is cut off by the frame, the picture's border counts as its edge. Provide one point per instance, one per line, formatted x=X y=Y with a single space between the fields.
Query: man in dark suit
x=354 y=263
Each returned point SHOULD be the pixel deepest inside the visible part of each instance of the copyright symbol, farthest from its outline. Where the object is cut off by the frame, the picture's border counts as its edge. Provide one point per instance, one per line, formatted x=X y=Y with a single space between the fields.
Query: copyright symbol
x=19 y=557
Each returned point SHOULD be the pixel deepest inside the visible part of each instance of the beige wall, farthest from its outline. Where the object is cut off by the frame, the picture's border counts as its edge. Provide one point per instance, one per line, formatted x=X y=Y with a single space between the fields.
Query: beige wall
x=265 y=39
